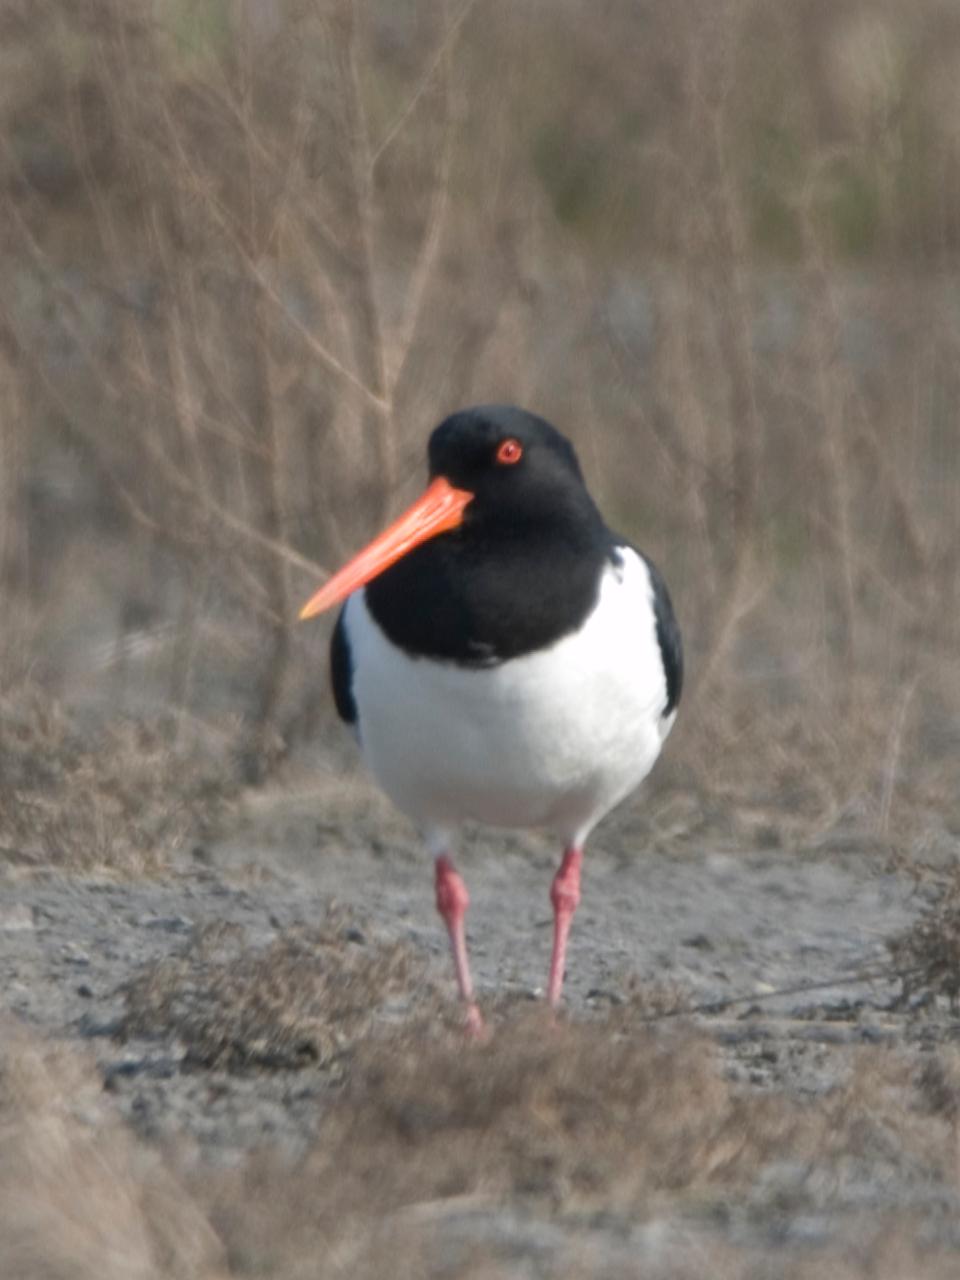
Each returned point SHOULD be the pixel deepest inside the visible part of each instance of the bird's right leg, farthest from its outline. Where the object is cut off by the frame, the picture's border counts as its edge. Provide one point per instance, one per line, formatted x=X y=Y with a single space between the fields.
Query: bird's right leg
x=452 y=903
x=565 y=896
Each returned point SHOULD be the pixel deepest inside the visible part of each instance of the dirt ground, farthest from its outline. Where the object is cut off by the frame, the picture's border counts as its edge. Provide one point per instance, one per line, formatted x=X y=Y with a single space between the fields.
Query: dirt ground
x=269 y=1027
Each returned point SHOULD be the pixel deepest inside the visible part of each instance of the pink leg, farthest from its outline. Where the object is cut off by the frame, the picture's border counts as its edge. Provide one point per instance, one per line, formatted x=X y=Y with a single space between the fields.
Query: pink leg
x=452 y=903
x=565 y=896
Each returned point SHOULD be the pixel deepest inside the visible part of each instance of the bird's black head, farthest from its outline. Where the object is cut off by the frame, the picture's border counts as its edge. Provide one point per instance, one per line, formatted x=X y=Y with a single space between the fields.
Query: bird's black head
x=502 y=554
x=523 y=474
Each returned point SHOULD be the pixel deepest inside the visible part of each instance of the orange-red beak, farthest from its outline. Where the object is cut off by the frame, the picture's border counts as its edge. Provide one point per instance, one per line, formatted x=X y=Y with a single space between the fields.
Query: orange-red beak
x=439 y=509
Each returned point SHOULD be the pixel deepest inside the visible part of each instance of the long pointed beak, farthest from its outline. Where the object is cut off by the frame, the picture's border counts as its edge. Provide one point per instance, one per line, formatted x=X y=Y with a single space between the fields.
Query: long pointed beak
x=439 y=509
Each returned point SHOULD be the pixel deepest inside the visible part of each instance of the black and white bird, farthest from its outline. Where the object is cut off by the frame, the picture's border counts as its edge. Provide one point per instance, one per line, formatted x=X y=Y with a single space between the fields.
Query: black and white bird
x=503 y=656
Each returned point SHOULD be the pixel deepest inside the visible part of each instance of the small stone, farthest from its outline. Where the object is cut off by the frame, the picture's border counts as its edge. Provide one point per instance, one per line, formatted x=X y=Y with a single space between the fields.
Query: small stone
x=700 y=941
x=168 y=924
x=600 y=993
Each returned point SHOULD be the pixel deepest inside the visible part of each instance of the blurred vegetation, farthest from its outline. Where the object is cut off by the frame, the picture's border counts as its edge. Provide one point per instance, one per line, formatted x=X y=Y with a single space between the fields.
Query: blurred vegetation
x=250 y=253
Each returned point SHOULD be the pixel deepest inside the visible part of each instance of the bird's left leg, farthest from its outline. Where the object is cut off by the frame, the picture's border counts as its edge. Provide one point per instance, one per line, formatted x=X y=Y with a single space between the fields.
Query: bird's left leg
x=452 y=903
x=565 y=896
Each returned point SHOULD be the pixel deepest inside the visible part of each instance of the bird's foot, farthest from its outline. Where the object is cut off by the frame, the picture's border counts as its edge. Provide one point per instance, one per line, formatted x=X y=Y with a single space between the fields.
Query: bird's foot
x=475 y=1028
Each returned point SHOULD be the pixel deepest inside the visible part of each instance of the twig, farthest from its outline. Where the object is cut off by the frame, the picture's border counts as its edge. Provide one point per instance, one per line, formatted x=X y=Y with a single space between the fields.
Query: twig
x=433 y=234
x=424 y=85
x=256 y=272
x=800 y=988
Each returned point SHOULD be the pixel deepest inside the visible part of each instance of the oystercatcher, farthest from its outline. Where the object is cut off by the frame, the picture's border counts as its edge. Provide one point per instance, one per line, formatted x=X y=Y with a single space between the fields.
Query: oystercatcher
x=503 y=656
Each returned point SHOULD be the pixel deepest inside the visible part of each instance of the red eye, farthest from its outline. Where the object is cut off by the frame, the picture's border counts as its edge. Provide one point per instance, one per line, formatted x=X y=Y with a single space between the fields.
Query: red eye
x=509 y=451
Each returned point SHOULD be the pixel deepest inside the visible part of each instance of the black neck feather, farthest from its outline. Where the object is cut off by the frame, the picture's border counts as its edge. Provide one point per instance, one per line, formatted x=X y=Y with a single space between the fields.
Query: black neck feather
x=478 y=600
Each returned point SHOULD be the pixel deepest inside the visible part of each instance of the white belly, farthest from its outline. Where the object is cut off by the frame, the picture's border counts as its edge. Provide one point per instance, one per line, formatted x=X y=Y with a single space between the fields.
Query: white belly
x=552 y=740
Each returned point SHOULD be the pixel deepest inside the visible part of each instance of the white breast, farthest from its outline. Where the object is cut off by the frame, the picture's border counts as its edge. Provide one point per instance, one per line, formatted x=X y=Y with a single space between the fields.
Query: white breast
x=552 y=740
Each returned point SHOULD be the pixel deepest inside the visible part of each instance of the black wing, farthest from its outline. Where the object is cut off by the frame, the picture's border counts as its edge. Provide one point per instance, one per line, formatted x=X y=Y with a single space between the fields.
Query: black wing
x=341 y=672
x=668 y=636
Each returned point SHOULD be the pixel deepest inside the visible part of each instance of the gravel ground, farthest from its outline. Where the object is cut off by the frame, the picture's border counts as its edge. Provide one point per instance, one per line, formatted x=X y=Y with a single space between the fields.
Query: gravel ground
x=717 y=935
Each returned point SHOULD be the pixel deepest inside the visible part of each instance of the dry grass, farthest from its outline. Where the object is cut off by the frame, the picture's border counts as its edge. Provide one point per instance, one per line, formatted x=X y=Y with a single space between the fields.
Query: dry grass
x=121 y=799
x=79 y=1198
x=554 y=1143
x=596 y=1117
x=303 y=1000
x=927 y=955
x=580 y=1116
